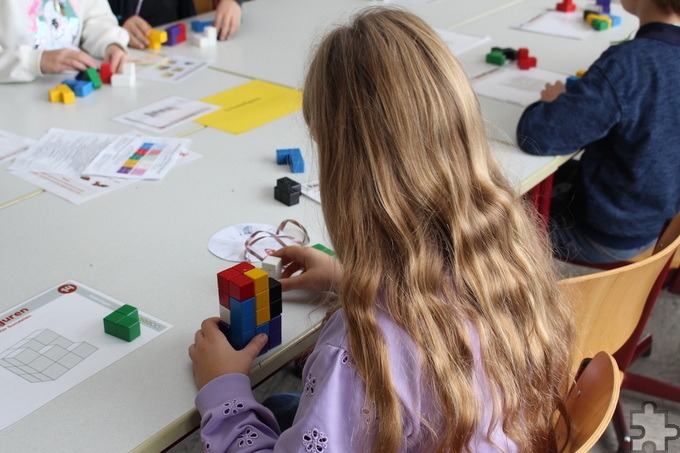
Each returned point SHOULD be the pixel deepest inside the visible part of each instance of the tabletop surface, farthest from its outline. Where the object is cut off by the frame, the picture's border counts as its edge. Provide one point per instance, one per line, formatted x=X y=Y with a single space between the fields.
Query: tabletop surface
x=146 y=244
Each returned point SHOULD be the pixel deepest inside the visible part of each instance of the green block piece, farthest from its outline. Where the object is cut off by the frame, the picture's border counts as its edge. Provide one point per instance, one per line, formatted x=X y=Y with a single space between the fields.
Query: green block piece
x=92 y=75
x=326 y=250
x=123 y=323
x=496 y=57
x=599 y=24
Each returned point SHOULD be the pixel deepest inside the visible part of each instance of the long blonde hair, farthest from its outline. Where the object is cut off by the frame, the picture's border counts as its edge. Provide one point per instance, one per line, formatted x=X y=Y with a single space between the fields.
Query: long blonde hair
x=428 y=230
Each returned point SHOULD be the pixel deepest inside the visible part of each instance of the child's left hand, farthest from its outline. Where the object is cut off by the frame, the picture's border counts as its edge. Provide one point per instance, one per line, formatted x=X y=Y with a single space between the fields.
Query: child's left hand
x=227 y=18
x=552 y=90
x=116 y=56
x=213 y=356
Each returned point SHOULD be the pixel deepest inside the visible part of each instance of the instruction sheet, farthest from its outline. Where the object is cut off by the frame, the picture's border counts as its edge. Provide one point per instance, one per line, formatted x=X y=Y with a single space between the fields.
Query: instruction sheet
x=56 y=340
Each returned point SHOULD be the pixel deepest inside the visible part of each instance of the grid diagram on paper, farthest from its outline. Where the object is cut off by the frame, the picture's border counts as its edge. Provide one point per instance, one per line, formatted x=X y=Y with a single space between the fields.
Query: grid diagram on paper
x=142 y=159
x=44 y=356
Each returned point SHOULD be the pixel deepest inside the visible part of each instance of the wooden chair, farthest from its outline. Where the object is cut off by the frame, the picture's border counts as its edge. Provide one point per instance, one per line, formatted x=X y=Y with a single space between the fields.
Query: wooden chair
x=590 y=404
x=203 y=6
x=611 y=309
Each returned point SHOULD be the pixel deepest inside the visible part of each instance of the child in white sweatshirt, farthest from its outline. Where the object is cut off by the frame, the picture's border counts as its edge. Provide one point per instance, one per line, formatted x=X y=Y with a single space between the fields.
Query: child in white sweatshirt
x=46 y=36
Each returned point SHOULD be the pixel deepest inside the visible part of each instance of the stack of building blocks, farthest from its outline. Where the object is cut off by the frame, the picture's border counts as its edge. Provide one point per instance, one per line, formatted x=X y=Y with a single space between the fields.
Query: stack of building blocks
x=81 y=88
x=90 y=75
x=198 y=26
x=62 y=93
x=566 y=6
x=601 y=19
x=287 y=191
x=572 y=79
x=127 y=79
x=292 y=157
x=157 y=38
x=208 y=37
x=123 y=323
x=250 y=304
x=176 y=34
x=105 y=72
x=499 y=56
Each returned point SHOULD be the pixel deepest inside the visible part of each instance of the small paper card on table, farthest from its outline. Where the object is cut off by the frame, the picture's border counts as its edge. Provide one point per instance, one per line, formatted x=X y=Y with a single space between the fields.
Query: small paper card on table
x=251 y=105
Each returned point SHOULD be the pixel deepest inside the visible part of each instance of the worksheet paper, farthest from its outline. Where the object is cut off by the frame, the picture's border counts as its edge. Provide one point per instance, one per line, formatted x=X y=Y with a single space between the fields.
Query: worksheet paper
x=56 y=340
x=79 y=189
x=556 y=23
x=73 y=153
x=174 y=69
x=165 y=115
x=11 y=145
x=460 y=43
x=514 y=85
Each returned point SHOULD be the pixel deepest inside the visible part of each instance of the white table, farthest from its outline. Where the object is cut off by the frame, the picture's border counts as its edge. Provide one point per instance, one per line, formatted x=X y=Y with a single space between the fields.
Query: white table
x=171 y=275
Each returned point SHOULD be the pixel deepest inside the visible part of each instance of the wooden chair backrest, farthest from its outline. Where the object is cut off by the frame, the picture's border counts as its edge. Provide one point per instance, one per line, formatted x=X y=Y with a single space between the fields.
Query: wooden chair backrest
x=607 y=305
x=203 y=6
x=590 y=404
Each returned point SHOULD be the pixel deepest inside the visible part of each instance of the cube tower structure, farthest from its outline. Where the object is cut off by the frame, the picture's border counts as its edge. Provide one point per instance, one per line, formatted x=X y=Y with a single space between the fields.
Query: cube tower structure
x=250 y=304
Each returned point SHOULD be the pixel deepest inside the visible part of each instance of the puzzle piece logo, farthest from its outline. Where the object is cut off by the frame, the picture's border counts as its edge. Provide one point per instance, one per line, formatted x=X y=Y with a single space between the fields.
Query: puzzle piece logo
x=647 y=417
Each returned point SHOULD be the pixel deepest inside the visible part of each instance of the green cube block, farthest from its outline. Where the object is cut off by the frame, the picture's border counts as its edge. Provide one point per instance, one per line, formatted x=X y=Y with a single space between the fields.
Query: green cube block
x=496 y=57
x=324 y=249
x=599 y=24
x=123 y=323
x=92 y=75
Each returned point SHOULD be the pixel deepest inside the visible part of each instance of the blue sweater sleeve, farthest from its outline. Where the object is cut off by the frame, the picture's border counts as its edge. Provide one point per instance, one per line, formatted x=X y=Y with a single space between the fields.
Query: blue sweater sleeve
x=583 y=114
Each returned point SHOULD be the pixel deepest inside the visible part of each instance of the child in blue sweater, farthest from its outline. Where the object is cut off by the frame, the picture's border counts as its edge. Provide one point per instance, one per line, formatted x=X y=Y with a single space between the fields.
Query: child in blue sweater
x=624 y=113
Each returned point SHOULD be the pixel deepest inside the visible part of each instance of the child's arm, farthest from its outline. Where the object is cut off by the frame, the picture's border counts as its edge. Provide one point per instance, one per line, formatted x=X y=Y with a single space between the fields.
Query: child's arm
x=583 y=114
x=19 y=65
x=100 y=28
x=227 y=18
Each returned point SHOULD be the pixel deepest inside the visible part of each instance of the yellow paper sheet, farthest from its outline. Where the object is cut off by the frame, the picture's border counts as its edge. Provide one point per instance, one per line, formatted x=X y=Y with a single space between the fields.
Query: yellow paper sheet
x=251 y=105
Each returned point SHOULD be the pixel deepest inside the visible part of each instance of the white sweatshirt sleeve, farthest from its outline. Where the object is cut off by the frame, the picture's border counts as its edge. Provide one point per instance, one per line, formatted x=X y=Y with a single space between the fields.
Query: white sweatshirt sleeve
x=100 y=28
x=19 y=65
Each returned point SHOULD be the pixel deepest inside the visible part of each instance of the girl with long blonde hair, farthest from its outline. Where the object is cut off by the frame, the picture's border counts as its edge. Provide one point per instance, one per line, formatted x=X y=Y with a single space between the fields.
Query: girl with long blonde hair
x=450 y=334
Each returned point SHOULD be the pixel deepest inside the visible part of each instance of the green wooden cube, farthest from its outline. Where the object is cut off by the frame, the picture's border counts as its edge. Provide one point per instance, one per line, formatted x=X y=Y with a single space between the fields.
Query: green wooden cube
x=123 y=323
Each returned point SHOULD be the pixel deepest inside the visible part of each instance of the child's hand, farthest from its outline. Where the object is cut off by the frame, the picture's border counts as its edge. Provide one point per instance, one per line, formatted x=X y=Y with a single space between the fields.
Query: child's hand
x=116 y=56
x=320 y=271
x=54 y=61
x=552 y=90
x=138 y=30
x=227 y=18
x=213 y=356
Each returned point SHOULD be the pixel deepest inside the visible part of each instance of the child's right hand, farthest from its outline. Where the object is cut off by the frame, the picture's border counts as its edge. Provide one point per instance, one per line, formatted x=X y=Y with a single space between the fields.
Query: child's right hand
x=138 y=29
x=54 y=61
x=213 y=356
x=320 y=271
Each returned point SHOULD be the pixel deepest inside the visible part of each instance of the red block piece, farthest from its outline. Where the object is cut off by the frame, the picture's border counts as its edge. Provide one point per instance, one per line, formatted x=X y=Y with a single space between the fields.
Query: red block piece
x=223 y=279
x=241 y=288
x=242 y=267
x=526 y=63
x=105 y=72
x=566 y=6
x=182 y=32
x=522 y=53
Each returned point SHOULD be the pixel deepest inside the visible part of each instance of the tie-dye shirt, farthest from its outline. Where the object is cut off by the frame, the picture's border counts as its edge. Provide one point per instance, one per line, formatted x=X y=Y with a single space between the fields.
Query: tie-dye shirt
x=30 y=27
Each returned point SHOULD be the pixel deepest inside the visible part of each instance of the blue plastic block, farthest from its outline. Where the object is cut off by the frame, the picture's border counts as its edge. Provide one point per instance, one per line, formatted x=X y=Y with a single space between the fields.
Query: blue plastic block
x=571 y=80
x=174 y=33
x=264 y=328
x=275 y=324
x=283 y=154
x=616 y=20
x=81 y=88
x=241 y=327
x=241 y=309
x=296 y=162
x=198 y=25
